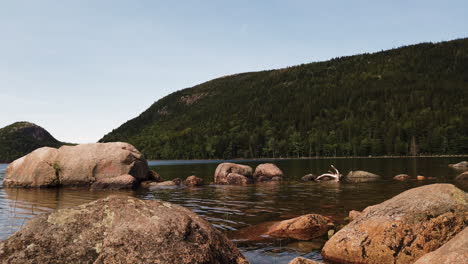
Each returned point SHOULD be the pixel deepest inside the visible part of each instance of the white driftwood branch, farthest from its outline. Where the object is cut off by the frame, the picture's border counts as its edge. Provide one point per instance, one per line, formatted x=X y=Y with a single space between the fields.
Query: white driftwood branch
x=335 y=175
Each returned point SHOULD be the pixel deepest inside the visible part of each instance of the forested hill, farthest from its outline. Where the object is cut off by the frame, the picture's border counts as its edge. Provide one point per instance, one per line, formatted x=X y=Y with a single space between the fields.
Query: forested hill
x=404 y=101
x=20 y=138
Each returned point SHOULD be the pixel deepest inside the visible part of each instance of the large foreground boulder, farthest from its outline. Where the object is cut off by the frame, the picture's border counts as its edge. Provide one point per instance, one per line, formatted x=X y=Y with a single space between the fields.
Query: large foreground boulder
x=402 y=229
x=454 y=251
x=267 y=172
x=362 y=176
x=119 y=229
x=76 y=165
x=231 y=173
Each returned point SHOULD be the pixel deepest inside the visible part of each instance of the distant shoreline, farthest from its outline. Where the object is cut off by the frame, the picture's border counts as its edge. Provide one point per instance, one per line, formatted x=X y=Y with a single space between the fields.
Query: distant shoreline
x=323 y=157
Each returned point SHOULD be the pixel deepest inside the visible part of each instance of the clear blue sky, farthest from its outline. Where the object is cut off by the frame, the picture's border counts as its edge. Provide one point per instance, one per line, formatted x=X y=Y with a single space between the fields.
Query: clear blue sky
x=81 y=68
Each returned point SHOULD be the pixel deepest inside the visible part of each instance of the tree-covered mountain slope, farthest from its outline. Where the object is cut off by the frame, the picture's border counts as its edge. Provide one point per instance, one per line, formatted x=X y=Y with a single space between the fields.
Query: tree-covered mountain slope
x=409 y=100
x=20 y=138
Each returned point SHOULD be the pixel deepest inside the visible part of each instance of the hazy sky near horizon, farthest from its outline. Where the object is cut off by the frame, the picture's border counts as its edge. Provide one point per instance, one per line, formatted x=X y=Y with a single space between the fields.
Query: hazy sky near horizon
x=81 y=68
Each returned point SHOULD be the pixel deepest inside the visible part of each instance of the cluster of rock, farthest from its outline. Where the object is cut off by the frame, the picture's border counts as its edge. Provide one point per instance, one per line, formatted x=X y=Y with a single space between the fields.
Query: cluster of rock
x=238 y=174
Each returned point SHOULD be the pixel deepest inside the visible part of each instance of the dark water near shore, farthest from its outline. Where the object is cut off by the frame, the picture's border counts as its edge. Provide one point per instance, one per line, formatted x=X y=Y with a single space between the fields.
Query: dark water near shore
x=230 y=208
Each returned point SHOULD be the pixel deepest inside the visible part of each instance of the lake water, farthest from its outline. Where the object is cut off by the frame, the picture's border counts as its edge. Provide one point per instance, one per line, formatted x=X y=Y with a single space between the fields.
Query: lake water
x=230 y=208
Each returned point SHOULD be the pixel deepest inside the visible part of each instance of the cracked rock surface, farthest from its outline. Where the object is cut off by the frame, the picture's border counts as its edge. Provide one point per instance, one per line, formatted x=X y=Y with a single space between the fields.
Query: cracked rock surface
x=120 y=229
x=403 y=228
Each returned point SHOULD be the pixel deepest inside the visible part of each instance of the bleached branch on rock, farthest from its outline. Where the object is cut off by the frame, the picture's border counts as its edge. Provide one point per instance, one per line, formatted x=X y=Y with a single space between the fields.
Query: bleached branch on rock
x=335 y=175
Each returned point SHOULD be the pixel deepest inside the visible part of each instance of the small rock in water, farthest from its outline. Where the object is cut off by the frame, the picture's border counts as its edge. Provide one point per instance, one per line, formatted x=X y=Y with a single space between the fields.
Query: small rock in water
x=193 y=181
x=267 y=172
x=308 y=177
x=402 y=177
x=420 y=178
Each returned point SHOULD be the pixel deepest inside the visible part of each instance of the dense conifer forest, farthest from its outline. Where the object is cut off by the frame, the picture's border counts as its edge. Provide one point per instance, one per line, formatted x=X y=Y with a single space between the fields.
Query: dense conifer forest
x=407 y=101
x=20 y=138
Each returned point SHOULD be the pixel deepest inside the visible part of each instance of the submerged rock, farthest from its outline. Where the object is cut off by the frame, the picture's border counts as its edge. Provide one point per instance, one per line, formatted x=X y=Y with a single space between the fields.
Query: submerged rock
x=402 y=177
x=454 y=251
x=267 y=172
x=308 y=177
x=402 y=229
x=224 y=170
x=193 y=181
x=76 y=165
x=301 y=260
x=304 y=227
x=362 y=176
x=119 y=229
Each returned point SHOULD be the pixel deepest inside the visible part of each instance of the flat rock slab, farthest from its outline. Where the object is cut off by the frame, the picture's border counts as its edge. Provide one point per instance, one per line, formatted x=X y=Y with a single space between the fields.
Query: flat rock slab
x=402 y=229
x=454 y=251
x=120 y=229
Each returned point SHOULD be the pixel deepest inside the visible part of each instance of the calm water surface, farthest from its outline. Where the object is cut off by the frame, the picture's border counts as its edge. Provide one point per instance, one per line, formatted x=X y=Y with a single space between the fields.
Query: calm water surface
x=230 y=208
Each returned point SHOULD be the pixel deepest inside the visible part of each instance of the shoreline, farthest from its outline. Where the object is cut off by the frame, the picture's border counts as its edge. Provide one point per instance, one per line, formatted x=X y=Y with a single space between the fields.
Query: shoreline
x=321 y=157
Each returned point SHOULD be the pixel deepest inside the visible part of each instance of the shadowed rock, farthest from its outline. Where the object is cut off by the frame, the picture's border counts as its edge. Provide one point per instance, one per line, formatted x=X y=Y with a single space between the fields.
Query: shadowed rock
x=402 y=229
x=119 y=229
x=76 y=165
x=223 y=171
x=154 y=176
x=267 y=172
x=308 y=177
x=115 y=183
x=454 y=251
x=362 y=176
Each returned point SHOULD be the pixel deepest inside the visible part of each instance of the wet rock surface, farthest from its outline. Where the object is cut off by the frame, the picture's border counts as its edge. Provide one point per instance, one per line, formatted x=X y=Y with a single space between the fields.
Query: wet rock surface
x=193 y=181
x=301 y=260
x=308 y=177
x=403 y=228
x=119 y=229
x=402 y=177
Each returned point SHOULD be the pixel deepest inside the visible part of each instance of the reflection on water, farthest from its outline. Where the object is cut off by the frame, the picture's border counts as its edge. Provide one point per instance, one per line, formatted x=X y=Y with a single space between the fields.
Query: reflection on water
x=230 y=208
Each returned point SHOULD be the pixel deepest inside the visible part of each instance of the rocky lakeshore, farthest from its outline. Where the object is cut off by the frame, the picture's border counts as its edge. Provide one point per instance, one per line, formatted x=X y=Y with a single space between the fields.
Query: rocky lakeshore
x=425 y=222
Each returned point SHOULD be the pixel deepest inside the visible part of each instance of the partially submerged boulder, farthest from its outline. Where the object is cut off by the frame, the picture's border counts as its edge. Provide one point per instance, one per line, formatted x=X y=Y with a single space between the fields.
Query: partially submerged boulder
x=267 y=172
x=402 y=229
x=76 y=165
x=362 y=176
x=304 y=227
x=224 y=170
x=402 y=177
x=454 y=251
x=120 y=229
x=193 y=181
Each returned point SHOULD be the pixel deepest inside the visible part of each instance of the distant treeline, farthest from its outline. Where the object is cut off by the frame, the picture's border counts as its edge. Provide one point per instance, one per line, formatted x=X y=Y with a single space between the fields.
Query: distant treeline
x=406 y=101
